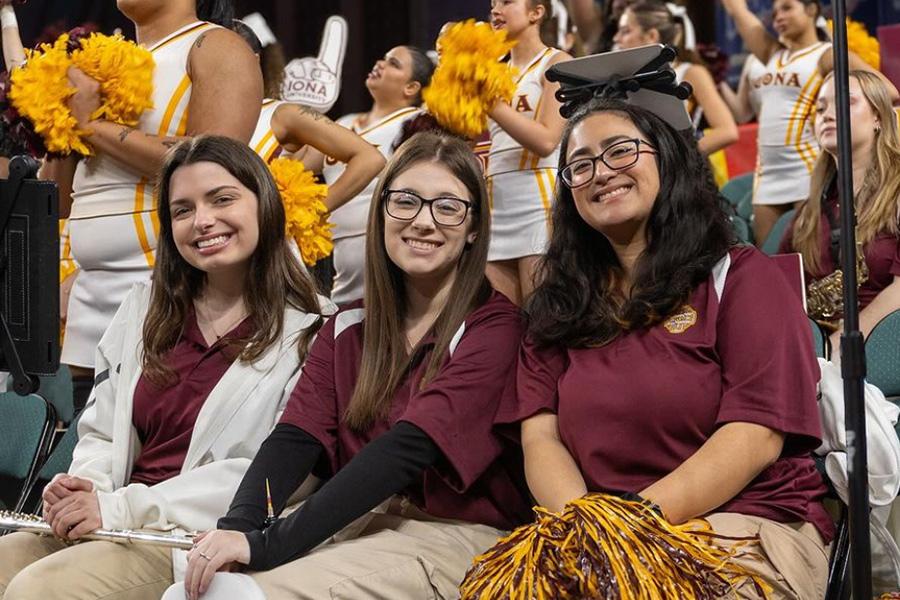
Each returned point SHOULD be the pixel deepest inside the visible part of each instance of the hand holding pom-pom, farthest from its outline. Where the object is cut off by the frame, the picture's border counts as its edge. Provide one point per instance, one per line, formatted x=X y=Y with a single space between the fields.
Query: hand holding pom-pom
x=86 y=99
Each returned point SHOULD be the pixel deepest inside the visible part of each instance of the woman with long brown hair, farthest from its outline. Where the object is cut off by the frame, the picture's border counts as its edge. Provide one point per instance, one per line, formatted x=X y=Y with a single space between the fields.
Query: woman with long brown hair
x=193 y=372
x=395 y=407
x=875 y=141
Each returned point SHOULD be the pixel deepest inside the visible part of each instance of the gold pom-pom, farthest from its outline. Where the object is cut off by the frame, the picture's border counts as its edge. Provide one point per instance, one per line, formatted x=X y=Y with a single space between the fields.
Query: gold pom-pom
x=860 y=43
x=125 y=73
x=304 y=208
x=602 y=546
x=469 y=79
x=39 y=90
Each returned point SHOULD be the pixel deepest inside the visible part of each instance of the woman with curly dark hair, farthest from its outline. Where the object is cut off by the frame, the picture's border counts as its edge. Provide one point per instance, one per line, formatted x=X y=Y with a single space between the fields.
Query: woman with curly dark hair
x=656 y=365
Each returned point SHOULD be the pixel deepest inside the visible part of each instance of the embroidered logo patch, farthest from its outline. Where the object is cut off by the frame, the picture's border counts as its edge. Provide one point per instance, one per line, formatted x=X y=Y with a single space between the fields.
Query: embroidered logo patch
x=682 y=321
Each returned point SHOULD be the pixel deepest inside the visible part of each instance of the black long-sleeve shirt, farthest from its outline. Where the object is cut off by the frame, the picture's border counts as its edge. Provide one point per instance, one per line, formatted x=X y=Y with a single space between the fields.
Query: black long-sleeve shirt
x=385 y=466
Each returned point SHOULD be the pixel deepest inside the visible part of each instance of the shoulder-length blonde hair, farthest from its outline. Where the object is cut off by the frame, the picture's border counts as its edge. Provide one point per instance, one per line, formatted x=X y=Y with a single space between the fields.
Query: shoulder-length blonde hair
x=878 y=201
x=385 y=360
x=275 y=279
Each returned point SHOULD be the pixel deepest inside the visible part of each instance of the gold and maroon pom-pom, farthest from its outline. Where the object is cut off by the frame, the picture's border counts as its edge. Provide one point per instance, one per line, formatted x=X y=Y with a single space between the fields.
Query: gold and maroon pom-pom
x=601 y=546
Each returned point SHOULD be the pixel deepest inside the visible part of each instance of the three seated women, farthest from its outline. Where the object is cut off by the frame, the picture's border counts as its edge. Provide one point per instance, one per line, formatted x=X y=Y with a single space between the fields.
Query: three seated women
x=648 y=361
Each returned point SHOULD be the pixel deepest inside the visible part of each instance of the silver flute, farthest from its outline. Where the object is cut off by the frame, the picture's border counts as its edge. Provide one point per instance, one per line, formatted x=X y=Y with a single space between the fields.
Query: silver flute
x=13 y=521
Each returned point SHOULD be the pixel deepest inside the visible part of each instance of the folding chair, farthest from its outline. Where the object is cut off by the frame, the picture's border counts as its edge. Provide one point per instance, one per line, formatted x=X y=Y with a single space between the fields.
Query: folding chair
x=58 y=462
x=838 y=586
x=26 y=432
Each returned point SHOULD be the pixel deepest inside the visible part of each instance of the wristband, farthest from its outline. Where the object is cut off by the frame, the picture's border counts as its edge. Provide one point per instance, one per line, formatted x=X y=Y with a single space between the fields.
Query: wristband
x=8 y=17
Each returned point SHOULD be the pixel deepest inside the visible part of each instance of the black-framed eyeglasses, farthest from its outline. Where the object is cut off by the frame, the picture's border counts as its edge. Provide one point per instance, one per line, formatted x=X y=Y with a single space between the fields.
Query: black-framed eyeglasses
x=620 y=155
x=404 y=205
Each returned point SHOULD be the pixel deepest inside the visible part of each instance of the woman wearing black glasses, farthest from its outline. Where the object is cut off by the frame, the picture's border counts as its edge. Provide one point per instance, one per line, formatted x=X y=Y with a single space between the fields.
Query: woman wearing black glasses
x=395 y=407
x=664 y=361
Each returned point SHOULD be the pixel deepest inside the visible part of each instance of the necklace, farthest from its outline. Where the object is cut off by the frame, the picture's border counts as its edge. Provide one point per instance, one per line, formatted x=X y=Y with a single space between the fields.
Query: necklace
x=211 y=323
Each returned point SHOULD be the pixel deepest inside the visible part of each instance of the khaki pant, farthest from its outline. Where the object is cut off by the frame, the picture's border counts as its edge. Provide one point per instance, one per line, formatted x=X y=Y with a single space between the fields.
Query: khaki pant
x=34 y=567
x=401 y=555
x=791 y=558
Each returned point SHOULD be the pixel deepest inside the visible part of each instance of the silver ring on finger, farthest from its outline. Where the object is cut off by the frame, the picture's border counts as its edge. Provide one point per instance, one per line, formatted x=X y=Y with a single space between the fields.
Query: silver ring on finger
x=204 y=556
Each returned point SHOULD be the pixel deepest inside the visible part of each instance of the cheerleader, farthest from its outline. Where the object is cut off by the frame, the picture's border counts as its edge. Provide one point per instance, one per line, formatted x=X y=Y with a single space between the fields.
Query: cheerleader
x=395 y=84
x=522 y=161
x=291 y=127
x=795 y=64
x=653 y=22
x=203 y=73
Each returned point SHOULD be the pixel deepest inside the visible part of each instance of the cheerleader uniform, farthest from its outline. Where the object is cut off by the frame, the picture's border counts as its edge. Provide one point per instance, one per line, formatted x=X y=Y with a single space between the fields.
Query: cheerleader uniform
x=349 y=221
x=785 y=94
x=263 y=141
x=267 y=146
x=113 y=224
x=519 y=182
x=67 y=264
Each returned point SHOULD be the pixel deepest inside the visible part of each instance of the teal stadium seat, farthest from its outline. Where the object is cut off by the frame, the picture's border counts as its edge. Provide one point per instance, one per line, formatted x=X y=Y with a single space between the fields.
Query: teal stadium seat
x=883 y=356
x=736 y=188
x=26 y=432
x=61 y=456
x=741 y=230
x=58 y=462
x=57 y=389
x=744 y=207
x=770 y=246
x=819 y=340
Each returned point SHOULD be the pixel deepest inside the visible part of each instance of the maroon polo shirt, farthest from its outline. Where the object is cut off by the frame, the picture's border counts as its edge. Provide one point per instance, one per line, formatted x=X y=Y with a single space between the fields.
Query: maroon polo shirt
x=882 y=256
x=479 y=478
x=632 y=411
x=164 y=417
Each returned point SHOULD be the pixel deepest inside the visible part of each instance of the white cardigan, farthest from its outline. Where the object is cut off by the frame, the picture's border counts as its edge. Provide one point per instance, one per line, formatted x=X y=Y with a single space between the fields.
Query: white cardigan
x=236 y=417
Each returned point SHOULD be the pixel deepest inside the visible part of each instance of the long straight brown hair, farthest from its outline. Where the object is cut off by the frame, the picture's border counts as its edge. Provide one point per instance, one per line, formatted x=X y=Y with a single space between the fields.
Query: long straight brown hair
x=878 y=200
x=275 y=278
x=385 y=360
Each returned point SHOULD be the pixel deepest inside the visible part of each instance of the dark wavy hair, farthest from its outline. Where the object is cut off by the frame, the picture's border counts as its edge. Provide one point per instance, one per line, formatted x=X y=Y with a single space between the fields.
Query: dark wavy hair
x=220 y=12
x=577 y=303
